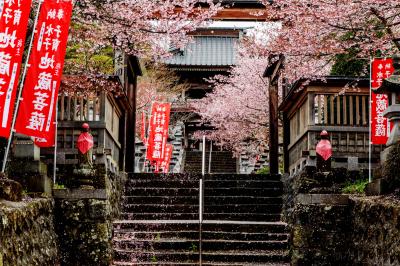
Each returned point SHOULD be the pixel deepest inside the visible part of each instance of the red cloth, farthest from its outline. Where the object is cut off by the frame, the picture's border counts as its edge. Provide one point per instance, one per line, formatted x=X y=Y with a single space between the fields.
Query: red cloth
x=85 y=142
x=324 y=149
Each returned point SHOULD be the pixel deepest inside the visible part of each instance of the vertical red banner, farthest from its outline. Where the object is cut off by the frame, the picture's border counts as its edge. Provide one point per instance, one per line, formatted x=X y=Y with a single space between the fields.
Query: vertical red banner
x=36 y=114
x=158 y=132
x=13 y=27
x=380 y=128
x=380 y=69
x=167 y=158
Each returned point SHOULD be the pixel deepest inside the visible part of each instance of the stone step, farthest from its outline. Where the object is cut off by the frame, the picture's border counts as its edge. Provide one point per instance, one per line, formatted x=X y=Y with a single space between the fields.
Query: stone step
x=188 y=244
x=215 y=163
x=243 y=208
x=157 y=183
x=160 y=208
x=161 y=199
x=149 y=191
x=193 y=208
x=179 y=177
x=219 y=200
x=211 y=235
x=172 y=191
x=263 y=192
x=243 y=184
x=257 y=217
x=125 y=226
x=257 y=256
x=204 y=263
x=242 y=177
x=140 y=176
x=214 y=171
x=160 y=216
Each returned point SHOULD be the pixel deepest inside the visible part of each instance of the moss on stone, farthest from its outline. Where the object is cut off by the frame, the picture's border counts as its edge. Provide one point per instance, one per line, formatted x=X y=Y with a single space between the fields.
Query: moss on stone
x=28 y=235
x=391 y=168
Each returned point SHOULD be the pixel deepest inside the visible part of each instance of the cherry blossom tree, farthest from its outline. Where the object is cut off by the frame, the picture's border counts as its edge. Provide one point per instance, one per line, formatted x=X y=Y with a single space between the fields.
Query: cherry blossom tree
x=148 y=28
x=313 y=32
x=145 y=27
x=89 y=66
x=311 y=35
x=238 y=107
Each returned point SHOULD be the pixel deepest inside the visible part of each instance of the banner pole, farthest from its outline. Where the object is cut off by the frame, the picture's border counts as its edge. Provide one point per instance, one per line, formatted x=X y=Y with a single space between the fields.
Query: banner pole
x=370 y=123
x=201 y=202
x=5 y=158
x=55 y=145
x=210 y=158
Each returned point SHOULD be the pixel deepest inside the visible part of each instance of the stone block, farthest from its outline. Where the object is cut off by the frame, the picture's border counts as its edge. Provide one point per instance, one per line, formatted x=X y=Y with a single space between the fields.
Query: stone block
x=98 y=209
x=36 y=167
x=32 y=175
x=328 y=199
x=10 y=190
x=26 y=149
x=79 y=194
x=376 y=187
x=352 y=164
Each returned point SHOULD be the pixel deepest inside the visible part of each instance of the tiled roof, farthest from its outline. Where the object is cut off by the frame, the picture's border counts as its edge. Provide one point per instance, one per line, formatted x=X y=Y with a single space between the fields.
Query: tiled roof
x=210 y=51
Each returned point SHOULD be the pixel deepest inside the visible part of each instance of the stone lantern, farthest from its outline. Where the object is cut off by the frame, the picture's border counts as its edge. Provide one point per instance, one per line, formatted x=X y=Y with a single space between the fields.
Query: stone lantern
x=391 y=87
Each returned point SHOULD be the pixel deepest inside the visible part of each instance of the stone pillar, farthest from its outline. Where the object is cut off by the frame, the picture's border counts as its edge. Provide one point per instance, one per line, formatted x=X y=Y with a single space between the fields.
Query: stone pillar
x=27 y=168
x=391 y=86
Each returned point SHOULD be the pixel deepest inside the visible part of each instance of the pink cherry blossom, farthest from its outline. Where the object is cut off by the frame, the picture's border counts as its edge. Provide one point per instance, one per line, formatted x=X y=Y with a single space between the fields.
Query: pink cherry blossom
x=146 y=27
x=238 y=106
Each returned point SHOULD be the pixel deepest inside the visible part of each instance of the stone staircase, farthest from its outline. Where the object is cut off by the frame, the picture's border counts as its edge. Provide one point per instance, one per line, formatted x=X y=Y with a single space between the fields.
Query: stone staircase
x=222 y=162
x=241 y=226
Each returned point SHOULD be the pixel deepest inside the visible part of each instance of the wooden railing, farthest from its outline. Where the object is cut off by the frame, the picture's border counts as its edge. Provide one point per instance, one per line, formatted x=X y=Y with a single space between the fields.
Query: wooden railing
x=72 y=112
x=344 y=110
x=80 y=108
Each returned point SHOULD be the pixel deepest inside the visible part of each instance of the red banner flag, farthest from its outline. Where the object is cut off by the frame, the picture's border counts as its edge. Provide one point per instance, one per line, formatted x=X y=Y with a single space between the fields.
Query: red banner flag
x=13 y=27
x=167 y=158
x=158 y=132
x=37 y=110
x=380 y=126
x=380 y=69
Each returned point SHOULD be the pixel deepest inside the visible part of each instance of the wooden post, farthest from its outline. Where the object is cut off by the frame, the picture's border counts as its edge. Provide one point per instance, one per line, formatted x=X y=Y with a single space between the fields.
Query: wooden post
x=272 y=73
x=273 y=130
x=286 y=142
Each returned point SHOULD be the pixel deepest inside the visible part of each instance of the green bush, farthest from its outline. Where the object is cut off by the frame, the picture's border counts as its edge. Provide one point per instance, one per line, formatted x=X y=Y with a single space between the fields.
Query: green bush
x=357 y=187
x=263 y=171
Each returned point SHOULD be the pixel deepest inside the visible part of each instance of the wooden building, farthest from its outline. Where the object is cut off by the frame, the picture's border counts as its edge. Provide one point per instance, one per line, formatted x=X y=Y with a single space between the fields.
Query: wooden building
x=327 y=105
x=111 y=117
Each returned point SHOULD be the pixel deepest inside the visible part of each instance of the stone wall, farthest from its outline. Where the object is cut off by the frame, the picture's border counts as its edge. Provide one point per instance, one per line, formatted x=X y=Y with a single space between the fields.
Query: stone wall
x=335 y=229
x=376 y=231
x=84 y=220
x=27 y=235
x=321 y=230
